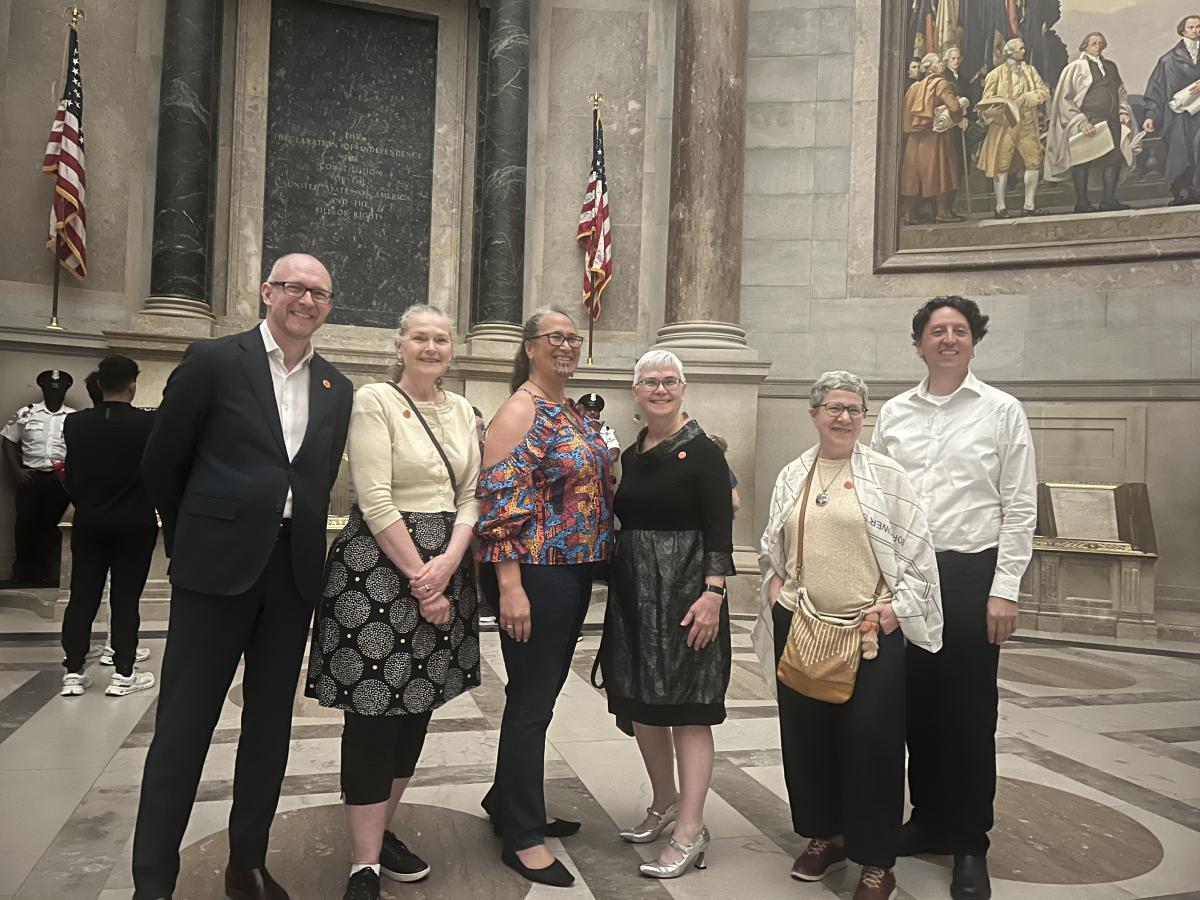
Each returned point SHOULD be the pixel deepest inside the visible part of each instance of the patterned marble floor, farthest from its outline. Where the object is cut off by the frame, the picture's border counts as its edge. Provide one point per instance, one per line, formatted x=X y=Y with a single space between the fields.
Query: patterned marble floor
x=1099 y=753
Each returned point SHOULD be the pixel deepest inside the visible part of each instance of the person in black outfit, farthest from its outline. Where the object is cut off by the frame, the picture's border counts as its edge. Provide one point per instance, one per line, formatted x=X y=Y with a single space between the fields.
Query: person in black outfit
x=114 y=529
x=245 y=450
x=666 y=655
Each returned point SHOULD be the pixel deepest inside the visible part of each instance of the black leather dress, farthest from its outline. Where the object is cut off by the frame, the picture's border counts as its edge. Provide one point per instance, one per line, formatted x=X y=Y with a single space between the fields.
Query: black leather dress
x=676 y=515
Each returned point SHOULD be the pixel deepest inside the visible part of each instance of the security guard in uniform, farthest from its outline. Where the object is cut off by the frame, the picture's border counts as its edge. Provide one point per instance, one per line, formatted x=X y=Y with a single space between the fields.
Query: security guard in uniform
x=33 y=442
x=593 y=405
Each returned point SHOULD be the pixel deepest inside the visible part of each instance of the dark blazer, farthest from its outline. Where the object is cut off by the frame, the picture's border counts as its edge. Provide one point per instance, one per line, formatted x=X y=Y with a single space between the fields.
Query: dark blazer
x=218 y=471
x=104 y=462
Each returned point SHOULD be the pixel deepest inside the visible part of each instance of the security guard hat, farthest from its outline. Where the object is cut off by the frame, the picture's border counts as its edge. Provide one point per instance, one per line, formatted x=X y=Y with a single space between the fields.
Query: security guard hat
x=55 y=378
x=592 y=400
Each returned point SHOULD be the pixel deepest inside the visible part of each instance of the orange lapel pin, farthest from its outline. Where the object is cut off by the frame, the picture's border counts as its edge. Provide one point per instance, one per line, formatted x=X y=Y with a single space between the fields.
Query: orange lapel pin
x=326 y=383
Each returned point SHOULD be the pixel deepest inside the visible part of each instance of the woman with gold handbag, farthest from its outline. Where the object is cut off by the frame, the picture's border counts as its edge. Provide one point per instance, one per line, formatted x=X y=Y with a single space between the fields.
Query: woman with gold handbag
x=848 y=575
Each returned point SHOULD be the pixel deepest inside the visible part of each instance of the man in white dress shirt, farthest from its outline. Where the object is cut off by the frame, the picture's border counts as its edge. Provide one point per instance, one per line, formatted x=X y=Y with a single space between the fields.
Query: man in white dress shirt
x=968 y=451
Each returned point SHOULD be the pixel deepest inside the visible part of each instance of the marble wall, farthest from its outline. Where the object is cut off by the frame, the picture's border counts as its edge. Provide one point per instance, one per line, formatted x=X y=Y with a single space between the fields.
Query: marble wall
x=1102 y=339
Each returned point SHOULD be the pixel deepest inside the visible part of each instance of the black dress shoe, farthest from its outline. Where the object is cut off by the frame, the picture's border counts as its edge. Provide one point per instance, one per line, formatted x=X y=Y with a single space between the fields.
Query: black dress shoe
x=253 y=884
x=1000 y=214
x=1113 y=206
x=555 y=828
x=554 y=875
x=970 y=879
x=1084 y=208
x=914 y=839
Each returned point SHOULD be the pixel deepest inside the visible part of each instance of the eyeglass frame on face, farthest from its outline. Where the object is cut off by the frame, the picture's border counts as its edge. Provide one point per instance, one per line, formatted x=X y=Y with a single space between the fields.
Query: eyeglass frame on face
x=320 y=296
x=843 y=408
x=574 y=341
x=671 y=383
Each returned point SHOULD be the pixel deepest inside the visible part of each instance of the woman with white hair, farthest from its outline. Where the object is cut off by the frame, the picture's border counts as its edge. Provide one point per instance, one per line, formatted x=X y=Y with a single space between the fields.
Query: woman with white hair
x=666 y=652
x=846 y=543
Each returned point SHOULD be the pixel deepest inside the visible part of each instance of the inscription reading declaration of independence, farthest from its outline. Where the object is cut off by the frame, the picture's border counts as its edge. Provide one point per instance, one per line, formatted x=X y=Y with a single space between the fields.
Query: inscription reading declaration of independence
x=350 y=152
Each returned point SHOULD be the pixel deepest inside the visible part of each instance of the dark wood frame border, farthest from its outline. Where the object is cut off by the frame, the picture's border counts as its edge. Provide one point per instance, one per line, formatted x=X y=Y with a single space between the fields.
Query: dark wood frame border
x=888 y=257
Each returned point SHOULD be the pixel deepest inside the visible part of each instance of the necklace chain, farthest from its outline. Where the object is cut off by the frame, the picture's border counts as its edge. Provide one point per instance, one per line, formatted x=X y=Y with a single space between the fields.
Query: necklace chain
x=544 y=391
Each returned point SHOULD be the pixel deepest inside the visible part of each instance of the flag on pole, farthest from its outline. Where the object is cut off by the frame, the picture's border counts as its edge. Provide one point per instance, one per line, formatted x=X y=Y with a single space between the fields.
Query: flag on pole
x=64 y=159
x=594 y=232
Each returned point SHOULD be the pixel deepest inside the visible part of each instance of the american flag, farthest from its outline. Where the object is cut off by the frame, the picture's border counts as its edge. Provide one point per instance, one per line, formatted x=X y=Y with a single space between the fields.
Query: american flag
x=594 y=232
x=64 y=158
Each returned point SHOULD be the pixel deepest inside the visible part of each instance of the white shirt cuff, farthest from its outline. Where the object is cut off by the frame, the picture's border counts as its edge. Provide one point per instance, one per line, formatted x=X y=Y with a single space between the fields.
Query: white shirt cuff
x=1007 y=587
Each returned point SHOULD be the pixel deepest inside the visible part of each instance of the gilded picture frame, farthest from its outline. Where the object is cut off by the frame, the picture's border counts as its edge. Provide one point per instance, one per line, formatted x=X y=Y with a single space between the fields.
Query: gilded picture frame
x=1059 y=238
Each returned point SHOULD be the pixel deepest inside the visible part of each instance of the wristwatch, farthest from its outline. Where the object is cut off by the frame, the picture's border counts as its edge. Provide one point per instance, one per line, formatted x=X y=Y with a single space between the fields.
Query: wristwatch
x=716 y=589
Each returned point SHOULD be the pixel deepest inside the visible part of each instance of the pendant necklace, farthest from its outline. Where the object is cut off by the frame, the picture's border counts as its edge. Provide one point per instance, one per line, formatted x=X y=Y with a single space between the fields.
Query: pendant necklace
x=822 y=498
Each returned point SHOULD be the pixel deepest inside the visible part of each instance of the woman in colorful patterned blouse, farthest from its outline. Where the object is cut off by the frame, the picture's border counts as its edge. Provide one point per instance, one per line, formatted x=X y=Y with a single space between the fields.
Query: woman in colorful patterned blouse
x=544 y=521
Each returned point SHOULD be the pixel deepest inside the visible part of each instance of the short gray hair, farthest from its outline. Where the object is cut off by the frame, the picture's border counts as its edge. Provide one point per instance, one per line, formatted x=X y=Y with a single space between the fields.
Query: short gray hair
x=953 y=48
x=658 y=359
x=927 y=62
x=1010 y=45
x=837 y=380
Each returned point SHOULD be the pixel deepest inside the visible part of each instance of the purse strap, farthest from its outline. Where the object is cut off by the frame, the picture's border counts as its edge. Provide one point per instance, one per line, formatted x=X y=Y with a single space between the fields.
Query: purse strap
x=429 y=431
x=880 y=586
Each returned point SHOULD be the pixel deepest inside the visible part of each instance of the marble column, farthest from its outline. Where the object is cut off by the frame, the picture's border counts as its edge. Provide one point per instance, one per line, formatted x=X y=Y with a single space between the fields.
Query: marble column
x=498 y=311
x=181 y=260
x=704 y=232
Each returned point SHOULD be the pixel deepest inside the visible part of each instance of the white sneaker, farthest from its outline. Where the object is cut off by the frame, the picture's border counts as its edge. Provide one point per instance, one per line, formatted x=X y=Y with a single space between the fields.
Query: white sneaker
x=106 y=655
x=121 y=685
x=75 y=683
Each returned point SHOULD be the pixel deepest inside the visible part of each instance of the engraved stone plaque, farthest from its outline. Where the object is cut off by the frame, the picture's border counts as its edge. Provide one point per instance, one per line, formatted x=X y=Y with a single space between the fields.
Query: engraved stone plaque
x=1085 y=511
x=350 y=130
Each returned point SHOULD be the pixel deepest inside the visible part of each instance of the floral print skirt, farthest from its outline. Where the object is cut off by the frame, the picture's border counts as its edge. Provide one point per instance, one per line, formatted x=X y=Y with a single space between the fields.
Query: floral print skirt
x=372 y=653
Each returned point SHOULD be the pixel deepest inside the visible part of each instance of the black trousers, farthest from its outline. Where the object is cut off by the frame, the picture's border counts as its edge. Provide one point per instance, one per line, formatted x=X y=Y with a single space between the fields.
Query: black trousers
x=376 y=750
x=95 y=553
x=537 y=671
x=489 y=590
x=37 y=543
x=952 y=708
x=844 y=763
x=207 y=636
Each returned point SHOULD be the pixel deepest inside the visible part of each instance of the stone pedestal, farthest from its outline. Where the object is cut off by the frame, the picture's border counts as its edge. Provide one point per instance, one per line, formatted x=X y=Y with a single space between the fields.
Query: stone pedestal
x=704 y=237
x=187 y=132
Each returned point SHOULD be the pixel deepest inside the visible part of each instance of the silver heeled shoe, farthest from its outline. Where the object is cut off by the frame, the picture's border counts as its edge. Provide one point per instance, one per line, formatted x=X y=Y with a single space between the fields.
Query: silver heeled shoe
x=693 y=855
x=640 y=835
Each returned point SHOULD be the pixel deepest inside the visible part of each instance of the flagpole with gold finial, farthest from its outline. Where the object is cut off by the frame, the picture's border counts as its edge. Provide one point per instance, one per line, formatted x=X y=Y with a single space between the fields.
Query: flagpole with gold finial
x=74 y=13
x=595 y=100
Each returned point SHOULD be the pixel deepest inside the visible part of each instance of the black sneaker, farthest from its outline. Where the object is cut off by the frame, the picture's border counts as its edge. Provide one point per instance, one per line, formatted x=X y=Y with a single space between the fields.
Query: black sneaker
x=399 y=863
x=363 y=885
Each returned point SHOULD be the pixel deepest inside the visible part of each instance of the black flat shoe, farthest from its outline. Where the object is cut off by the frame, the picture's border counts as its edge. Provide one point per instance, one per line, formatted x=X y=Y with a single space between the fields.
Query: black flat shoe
x=970 y=879
x=554 y=875
x=557 y=828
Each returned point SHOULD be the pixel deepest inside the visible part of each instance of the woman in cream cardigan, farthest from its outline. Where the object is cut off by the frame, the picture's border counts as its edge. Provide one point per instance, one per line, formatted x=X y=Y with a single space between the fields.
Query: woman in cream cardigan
x=866 y=551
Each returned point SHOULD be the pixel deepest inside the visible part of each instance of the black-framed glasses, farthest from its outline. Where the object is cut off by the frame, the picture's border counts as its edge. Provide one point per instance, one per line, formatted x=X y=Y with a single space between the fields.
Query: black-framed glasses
x=296 y=289
x=836 y=409
x=557 y=339
x=671 y=383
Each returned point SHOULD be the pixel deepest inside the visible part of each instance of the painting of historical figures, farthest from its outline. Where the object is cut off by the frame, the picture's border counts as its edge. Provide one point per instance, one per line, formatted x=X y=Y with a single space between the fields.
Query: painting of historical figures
x=1019 y=132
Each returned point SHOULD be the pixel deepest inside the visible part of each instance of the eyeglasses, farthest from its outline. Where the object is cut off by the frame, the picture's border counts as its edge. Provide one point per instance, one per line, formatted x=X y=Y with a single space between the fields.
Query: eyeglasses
x=297 y=290
x=557 y=339
x=836 y=409
x=653 y=384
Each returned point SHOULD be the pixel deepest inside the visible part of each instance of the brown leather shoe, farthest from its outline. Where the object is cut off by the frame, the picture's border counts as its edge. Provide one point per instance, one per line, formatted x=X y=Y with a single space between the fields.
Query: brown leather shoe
x=819 y=858
x=875 y=884
x=253 y=884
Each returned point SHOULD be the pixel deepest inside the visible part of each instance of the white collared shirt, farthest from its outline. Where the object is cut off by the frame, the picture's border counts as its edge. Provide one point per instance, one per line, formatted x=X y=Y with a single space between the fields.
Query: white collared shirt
x=970 y=458
x=39 y=433
x=1193 y=48
x=291 y=398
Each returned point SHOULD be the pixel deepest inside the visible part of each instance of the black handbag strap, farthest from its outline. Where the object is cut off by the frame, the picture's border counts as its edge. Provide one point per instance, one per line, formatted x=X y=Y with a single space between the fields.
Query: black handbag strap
x=429 y=431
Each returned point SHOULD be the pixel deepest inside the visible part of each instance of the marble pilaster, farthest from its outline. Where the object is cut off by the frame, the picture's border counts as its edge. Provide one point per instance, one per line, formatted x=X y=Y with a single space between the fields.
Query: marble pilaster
x=505 y=144
x=704 y=237
x=180 y=277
